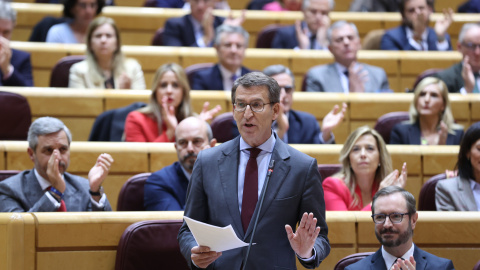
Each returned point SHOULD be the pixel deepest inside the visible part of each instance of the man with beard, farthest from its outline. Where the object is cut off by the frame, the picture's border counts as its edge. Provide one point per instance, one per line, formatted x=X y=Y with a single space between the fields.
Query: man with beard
x=395 y=217
x=165 y=190
x=414 y=33
x=48 y=187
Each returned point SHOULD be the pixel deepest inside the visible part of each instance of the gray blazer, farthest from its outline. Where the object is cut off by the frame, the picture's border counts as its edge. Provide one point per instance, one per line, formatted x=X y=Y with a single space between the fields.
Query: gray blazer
x=454 y=194
x=22 y=193
x=294 y=188
x=325 y=78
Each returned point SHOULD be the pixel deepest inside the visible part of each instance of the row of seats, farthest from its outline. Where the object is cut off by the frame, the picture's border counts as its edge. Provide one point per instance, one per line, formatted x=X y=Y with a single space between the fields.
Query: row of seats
x=138 y=25
x=91 y=240
x=78 y=108
x=136 y=158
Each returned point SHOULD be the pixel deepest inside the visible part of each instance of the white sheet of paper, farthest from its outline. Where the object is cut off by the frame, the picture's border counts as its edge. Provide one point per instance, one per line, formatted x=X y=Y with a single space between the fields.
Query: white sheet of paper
x=217 y=238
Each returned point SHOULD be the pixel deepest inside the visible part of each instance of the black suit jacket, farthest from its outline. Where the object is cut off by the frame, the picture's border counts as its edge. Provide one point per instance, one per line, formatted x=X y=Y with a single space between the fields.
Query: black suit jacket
x=179 y=31
x=22 y=73
x=423 y=259
x=285 y=38
x=406 y=133
x=211 y=78
x=452 y=77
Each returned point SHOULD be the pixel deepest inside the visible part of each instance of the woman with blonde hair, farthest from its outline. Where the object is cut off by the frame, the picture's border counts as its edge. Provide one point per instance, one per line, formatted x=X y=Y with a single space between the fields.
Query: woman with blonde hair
x=431 y=119
x=366 y=168
x=105 y=66
x=169 y=104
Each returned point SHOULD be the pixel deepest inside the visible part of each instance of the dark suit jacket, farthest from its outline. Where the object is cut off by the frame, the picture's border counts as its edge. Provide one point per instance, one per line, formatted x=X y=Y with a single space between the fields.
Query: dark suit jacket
x=166 y=189
x=294 y=188
x=452 y=77
x=396 y=39
x=285 y=38
x=22 y=73
x=179 y=31
x=303 y=128
x=423 y=259
x=22 y=193
x=211 y=78
x=406 y=133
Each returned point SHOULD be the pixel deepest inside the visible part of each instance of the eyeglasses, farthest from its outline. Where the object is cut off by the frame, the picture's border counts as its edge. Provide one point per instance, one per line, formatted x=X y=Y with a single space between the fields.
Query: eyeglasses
x=256 y=106
x=394 y=217
x=471 y=46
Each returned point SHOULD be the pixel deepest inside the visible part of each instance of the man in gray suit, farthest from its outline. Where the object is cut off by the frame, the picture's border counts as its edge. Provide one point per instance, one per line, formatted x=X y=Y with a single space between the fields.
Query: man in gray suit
x=346 y=74
x=48 y=187
x=227 y=181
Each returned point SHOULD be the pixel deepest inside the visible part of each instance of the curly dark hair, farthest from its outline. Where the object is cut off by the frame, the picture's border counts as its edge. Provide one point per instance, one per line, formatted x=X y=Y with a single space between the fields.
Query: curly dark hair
x=69 y=4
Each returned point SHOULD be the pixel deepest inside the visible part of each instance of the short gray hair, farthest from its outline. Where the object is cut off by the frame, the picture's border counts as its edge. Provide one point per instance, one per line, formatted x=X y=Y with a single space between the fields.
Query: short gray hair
x=7 y=12
x=337 y=25
x=306 y=4
x=230 y=29
x=44 y=126
x=279 y=69
x=258 y=79
x=465 y=29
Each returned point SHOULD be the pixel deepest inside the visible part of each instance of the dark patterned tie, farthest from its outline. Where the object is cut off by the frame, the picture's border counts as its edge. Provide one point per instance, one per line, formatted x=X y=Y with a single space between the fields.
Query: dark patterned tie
x=396 y=262
x=250 y=188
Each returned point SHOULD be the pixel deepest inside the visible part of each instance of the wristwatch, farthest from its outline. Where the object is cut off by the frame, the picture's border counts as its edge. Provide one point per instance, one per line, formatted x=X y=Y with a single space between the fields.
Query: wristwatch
x=98 y=193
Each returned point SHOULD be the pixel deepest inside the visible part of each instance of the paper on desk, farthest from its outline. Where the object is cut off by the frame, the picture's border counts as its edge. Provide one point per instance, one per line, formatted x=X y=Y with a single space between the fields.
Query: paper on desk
x=217 y=238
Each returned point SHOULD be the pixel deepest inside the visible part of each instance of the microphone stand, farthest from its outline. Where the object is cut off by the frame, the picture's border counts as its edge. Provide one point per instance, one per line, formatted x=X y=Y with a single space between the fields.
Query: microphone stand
x=262 y=197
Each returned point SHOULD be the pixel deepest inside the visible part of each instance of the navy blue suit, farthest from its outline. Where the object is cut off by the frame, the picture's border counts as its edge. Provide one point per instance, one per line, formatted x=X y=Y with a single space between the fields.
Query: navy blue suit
x=396 y=39
x=179 y=31
x=303 y=128
x=285 y=38
x=211 y=78
x=423 y=259
x=22 y=73
x=406 y=133
x=166 y=189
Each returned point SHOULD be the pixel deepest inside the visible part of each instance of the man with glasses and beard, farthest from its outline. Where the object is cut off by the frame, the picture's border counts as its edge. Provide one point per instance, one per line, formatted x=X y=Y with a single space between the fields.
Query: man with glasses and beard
x=165 y=190
x=395 y=217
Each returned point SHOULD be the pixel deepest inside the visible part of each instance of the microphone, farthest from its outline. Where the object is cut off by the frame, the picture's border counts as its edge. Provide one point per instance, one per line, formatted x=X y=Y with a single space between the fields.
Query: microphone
x=262 y=196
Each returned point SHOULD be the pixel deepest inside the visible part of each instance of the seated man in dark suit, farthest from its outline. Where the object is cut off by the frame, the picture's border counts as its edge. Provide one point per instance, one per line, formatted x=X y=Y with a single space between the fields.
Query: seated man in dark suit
x=48 y=187
x=346 y=74
x=464 y=77
x=166 y=189
x=296 y=126
x=395 y=217
x=196 y=29
x=414 y=34
x=15 y=66
x=230 y=43
x=309 y=33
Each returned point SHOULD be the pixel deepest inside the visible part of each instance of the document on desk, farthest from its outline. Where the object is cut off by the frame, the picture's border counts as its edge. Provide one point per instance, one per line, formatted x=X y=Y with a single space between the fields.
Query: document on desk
x=217 y=238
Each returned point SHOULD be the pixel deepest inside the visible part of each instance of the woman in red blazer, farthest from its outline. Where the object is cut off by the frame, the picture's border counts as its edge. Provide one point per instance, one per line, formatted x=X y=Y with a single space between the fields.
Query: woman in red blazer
x=367 y=167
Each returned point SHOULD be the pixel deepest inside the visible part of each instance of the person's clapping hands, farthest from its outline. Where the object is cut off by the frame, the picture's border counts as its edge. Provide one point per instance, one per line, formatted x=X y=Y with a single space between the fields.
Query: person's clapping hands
x=207 y=114
x=394 y=179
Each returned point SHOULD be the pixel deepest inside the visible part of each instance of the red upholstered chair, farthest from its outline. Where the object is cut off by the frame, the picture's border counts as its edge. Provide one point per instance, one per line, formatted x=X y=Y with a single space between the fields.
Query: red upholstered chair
x=222 y=127
x=266 y=36
x=386 y=122
x=15 y=116
x=426 y=200
x=350 y=259
x=4 y=174
x=327 y=170
x=158 y=37
x=131 y=194
x=61 y=70
x=190 y=71
x=150 y=245
x=423 y=75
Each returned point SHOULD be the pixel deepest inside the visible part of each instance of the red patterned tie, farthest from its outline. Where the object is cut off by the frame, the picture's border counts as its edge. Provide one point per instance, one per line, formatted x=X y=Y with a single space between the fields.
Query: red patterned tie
x=250 y=188
x=63 y=207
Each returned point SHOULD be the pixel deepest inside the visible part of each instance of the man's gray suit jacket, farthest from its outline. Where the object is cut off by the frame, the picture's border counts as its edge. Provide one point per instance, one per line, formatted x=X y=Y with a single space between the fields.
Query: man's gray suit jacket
x=22 y=193
x=325 y=78
x=294 y=188
x=454 y=194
